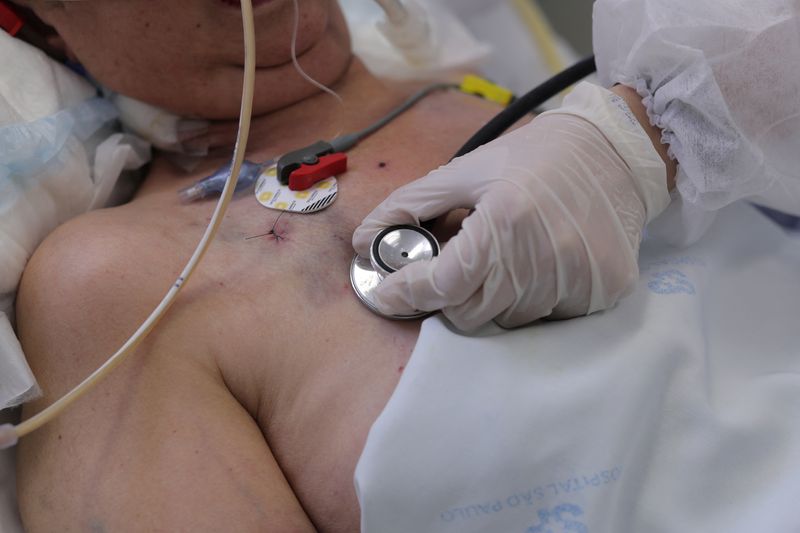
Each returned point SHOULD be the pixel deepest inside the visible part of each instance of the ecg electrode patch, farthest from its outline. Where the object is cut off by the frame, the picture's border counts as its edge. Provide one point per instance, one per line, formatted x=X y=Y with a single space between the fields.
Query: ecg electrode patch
x=271 y=194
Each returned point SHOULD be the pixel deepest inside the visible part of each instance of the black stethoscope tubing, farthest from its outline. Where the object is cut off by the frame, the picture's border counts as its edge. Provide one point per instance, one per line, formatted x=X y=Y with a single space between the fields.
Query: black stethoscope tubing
x=528 y=103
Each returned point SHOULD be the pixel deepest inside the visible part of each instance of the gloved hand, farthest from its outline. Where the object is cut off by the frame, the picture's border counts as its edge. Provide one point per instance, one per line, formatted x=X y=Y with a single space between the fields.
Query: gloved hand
x=559 y=208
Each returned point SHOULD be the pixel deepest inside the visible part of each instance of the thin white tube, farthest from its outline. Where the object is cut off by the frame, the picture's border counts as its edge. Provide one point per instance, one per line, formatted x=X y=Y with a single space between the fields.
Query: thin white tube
x=130 y=345
x=297 y=66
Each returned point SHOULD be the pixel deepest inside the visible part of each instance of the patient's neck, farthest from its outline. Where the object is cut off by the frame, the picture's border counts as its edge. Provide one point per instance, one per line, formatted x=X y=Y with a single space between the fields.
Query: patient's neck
x=322 y=116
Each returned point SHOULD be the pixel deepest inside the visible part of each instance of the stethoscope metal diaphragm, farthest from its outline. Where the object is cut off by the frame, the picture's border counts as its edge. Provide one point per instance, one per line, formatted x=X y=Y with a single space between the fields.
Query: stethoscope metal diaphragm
x=392 y=249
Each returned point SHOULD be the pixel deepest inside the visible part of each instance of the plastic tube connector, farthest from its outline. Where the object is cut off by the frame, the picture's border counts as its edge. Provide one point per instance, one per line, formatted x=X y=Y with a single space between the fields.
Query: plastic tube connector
x=215 y=183
x=196 y=191
x=8 y=436
x=412 y=35
x=394 y=9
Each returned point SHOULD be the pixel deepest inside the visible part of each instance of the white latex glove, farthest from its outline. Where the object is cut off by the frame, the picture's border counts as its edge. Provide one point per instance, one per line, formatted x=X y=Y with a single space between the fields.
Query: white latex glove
x=559 y=208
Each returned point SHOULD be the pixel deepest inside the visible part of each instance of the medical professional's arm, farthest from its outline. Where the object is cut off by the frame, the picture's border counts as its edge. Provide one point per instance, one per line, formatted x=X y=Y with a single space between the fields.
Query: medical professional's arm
x=635 y=104
x=559 y=209
x=721 y=80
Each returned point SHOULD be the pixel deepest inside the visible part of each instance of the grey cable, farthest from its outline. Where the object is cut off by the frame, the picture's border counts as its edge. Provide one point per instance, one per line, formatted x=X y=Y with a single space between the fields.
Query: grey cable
x=345 y=142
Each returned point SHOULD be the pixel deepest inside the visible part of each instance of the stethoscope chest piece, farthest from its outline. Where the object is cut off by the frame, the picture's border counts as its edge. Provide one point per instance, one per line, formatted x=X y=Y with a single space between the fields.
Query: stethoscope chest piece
x=392 y=249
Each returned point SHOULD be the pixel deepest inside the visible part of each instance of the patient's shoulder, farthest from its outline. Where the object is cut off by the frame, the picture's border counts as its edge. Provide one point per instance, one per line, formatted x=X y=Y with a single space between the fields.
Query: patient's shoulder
x=89 y=254
x=84 y=281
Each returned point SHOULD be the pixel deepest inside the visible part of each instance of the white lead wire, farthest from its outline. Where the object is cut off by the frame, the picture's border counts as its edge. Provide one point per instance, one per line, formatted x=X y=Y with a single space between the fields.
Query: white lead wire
x=130 y=345
x=309 y=79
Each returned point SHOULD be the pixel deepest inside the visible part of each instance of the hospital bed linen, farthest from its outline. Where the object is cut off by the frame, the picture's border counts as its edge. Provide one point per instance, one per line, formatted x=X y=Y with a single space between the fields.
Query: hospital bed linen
x=679 y=410
x=60 y=156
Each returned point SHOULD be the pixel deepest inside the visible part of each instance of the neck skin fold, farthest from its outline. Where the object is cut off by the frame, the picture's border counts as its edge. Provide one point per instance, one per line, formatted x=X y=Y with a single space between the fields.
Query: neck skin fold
x=320 y=116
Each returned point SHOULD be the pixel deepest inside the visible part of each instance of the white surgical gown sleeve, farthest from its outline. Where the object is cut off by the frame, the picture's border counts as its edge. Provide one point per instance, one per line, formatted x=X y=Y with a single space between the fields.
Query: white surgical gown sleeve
x=722 y=80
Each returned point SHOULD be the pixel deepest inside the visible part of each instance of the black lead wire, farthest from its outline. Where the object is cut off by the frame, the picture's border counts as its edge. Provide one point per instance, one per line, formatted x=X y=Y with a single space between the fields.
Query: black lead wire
x=528 y=103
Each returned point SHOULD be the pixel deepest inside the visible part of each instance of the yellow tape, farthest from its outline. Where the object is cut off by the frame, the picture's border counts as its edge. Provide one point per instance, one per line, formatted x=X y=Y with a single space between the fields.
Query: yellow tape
x=472 y=84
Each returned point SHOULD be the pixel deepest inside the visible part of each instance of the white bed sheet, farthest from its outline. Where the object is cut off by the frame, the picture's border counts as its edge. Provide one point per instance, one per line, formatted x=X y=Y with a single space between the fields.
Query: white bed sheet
x=679 y=410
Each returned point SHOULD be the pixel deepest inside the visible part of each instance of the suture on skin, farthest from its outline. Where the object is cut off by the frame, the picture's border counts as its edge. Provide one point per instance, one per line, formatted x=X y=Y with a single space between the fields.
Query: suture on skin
x=272 y=232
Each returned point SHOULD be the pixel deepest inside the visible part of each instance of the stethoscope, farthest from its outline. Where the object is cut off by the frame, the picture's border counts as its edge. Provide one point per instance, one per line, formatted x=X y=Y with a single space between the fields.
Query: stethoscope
x=391 y=249
x=398 y=246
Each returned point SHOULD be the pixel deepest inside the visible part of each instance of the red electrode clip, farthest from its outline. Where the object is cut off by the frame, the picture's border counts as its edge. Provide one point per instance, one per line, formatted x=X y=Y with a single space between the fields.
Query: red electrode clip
x=9 y=21
x=326 y=166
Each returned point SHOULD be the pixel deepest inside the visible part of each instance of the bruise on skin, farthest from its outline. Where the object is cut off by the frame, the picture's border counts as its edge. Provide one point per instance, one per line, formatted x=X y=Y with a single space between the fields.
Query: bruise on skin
x=320 y=252
x=323 y=269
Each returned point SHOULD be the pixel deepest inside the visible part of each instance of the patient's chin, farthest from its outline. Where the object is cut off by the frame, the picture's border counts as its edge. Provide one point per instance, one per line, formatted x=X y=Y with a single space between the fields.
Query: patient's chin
x=218 y=96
